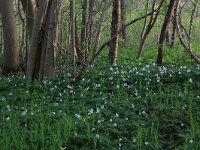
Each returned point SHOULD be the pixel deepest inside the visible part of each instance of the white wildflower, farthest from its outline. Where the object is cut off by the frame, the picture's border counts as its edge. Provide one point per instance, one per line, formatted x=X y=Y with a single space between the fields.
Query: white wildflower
x=117 y=115
x=190 y=80
x=8 y=118
x=146 y=143
x=190 y=141
x=24 y=112
x=77 y=116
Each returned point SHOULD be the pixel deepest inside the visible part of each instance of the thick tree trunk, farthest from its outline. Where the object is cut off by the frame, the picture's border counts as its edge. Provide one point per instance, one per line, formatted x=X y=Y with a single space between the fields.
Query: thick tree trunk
x=10 y=52
x=123 y=20
x=164 y=31
x=49 y=41
x=43 y=43
x=29 y=10
x=33 y=57
x=115 y=24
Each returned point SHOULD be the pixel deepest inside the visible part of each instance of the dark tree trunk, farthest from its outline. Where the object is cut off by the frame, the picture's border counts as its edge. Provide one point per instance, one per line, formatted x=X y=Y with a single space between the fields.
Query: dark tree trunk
x=1 y=42
x=164 y=31
x=168 y=37
x=84 y=29
x=123 y=20
x=115 y=24
x=173 y=37
x=91 y=23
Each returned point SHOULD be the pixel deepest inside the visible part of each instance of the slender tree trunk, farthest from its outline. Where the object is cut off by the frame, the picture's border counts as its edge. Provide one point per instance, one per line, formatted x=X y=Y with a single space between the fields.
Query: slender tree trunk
x=123 y=20
x=1 y=42
x=174 y=23
x=10 y=53
x=99 y=28
x=77 y=46
x=149 y=24
x=84 y=29
x=164 y=31
x=74 y=37
x=168 y=40
x=115 y=24
x=29 y=9
x=91 y=23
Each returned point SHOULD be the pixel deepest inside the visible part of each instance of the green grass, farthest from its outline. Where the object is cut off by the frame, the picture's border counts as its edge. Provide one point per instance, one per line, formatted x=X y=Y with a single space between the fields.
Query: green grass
x=132 y=106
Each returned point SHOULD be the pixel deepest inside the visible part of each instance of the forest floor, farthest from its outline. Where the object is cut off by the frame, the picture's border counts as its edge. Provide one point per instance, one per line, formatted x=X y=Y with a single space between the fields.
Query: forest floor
x=122 y=107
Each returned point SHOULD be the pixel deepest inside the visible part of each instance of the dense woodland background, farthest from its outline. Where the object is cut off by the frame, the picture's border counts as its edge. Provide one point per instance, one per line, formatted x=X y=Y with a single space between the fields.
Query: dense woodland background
x=99 y=74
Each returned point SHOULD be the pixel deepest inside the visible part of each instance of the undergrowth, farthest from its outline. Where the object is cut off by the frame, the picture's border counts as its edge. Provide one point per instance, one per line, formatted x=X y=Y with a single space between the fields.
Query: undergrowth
x=120 y=107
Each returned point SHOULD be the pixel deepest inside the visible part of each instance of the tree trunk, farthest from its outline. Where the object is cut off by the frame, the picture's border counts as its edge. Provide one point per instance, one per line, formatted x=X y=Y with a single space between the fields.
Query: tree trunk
x=84 y=30
x=164 y=31
x=29 y=10
x=115 y=24
x=43 y=43
x=49 y=46
x=123 y=20
x=10 y=53
x=149 y=23
x=91 y=23
x=100 y=26
x=37 y=29
x=74 y=36
x=1 y=42
x=173 y=37
x=168 y=40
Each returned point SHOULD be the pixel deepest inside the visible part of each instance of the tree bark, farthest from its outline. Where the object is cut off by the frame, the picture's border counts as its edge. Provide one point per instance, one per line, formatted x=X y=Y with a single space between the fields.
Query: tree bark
x=10 y=52
x=115 y=25
x=1 y=41
x=164 y=31
x=49 y=41
x=91 y=23
x=174 y=23
x=123 y=20
x=149 y=24
x=84 y=29
x=99 y=28
x=167 y=37
x=43 y=43
x=29 y=10
x=33 y=57
x=74 y=36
